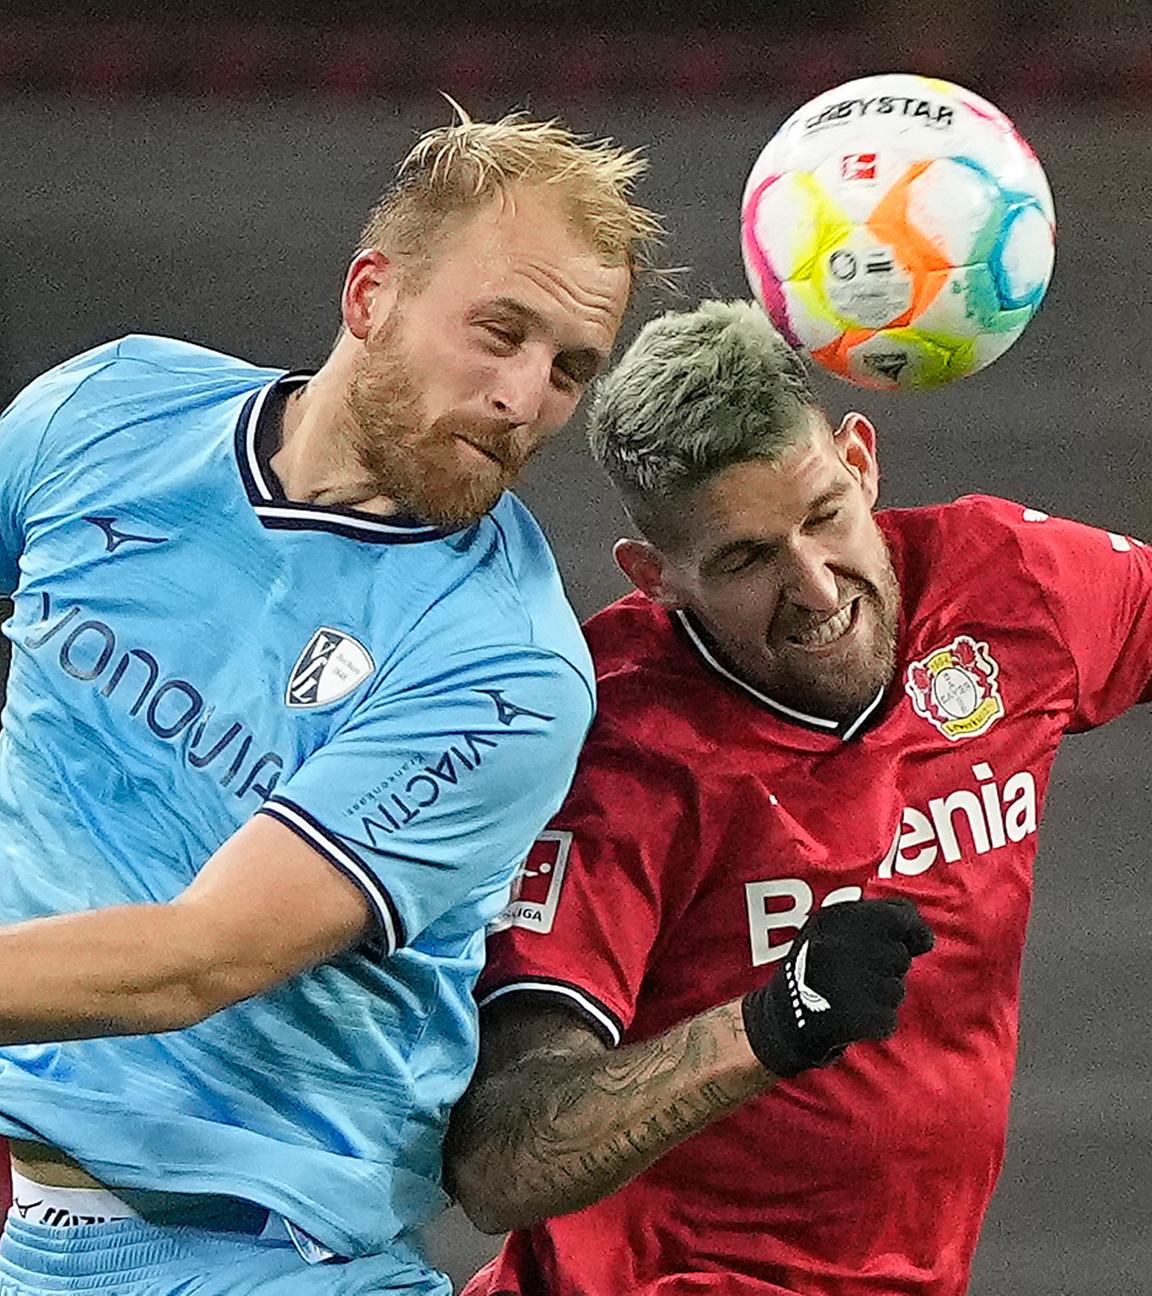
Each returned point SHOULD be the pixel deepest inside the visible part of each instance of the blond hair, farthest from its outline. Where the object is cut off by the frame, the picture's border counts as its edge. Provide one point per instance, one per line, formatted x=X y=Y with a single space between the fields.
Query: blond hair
x=455 y=170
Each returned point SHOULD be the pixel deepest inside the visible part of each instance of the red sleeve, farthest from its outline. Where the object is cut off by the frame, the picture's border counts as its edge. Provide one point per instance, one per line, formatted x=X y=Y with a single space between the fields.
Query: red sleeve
x=1098 y=587
x=590 y=900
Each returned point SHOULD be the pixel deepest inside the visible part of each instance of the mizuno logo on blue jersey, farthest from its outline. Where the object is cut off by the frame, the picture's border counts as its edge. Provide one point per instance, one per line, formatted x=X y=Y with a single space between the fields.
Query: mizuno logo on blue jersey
x=114 y=537
x=507 y=711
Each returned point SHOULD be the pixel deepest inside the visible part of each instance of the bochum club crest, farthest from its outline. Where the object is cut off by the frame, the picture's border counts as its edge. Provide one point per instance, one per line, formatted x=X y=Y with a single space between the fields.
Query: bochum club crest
x=955 y=688
x=330 y=667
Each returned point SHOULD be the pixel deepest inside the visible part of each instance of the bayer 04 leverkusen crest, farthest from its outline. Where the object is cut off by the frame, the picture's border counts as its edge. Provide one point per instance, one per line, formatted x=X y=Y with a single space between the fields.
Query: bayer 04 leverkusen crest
x=956 y=689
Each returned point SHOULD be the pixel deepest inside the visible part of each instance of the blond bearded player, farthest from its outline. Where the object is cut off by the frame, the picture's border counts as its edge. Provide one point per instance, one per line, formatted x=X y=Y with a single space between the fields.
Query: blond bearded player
x=293 y=688
x=812 y=717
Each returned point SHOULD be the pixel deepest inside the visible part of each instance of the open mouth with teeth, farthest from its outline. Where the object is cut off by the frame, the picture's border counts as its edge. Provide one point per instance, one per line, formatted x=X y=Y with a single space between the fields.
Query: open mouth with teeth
x=827 y=632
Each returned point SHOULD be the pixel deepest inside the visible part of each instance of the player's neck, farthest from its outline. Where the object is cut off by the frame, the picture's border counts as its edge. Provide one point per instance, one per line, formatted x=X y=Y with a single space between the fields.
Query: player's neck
x=314 y=462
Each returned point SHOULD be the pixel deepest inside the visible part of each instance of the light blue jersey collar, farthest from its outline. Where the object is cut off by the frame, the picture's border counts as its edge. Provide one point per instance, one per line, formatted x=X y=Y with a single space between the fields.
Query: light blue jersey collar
x=254 y=434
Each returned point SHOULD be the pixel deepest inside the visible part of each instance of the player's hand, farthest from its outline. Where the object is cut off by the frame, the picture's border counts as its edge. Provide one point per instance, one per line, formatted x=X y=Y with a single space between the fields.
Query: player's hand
x=842 y=981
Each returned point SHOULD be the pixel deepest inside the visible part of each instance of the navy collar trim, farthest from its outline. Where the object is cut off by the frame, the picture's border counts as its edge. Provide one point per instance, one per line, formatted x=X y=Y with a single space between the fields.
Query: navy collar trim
x=845 y=730
x=256 y=432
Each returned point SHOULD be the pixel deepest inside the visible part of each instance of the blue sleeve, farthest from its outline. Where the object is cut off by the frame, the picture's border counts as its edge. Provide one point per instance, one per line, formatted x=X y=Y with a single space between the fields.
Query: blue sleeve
x=433 y=795
x=23 y=428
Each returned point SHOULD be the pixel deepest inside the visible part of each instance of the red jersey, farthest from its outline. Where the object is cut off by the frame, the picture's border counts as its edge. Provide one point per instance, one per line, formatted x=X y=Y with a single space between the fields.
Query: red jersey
x=705 y=824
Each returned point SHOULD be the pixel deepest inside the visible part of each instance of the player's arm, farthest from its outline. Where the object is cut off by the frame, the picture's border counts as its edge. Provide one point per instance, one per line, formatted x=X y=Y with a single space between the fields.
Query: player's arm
x=1096 y=586
x=486 y=748
x=555 y=1120
x=265 y=907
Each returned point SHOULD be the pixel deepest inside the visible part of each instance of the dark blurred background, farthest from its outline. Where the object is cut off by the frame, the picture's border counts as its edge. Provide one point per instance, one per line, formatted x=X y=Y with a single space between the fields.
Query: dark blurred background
x=202 y=171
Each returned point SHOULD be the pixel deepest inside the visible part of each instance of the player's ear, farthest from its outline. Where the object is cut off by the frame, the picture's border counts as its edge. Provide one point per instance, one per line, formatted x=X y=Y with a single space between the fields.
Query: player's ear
x=646 y=567
x=856 y=445
x=370 y=291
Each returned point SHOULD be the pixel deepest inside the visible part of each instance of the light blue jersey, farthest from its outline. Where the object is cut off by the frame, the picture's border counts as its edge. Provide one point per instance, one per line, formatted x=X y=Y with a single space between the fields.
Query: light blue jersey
x=189 y=649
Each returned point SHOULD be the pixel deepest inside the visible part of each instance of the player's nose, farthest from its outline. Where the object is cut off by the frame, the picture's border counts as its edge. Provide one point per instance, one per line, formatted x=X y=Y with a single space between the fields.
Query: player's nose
x=518 y=390
x=811 y=580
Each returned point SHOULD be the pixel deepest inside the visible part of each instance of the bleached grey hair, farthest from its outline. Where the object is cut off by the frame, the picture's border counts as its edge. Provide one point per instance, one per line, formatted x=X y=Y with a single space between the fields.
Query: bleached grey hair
x=696 y=392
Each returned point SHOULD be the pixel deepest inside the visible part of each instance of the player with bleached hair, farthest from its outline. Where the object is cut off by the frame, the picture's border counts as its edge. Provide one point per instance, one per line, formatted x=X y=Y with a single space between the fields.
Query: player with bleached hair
x=812 y=718
x=294 y=686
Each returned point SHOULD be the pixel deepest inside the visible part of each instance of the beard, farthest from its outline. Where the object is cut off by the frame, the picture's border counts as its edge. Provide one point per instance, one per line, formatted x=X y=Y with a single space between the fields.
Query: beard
x=840 y=685
x=835 y=685
x=449 y=472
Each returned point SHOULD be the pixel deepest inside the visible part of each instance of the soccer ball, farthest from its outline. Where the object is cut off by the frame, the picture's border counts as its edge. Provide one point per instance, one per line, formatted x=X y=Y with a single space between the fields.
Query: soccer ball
x=899 y=230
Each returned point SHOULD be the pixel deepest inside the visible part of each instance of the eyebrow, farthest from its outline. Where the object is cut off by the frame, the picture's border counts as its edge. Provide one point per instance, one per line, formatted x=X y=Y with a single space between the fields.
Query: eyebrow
x=827 y=497
x=583 y=363
x=735 y=546
x=822 y=500
x=726 y=551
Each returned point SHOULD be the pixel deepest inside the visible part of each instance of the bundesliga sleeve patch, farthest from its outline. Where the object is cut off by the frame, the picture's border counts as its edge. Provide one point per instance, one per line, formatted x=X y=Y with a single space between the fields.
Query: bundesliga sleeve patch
x=956 y=688
x=536 y=889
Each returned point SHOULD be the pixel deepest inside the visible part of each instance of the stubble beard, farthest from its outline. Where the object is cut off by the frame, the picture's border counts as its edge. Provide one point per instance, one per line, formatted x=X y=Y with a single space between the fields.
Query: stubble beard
x=839 y=688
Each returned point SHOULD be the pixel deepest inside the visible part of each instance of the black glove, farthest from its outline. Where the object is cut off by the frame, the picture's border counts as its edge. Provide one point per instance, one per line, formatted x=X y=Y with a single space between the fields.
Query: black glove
x=842 y=981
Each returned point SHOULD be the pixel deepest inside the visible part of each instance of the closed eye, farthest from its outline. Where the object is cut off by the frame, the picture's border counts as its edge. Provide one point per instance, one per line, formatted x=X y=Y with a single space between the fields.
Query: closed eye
x=503 y=337
x=822 y=519
x=579 y=366
x=741 y=561
x=567 y=380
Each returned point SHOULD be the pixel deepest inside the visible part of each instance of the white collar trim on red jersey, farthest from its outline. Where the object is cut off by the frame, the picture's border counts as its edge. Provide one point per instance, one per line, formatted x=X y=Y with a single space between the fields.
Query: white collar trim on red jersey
x=844 y=729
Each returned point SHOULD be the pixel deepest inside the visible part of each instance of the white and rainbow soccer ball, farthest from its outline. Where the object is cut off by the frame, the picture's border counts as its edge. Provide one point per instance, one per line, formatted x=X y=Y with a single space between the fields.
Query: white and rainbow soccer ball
x=899 y=230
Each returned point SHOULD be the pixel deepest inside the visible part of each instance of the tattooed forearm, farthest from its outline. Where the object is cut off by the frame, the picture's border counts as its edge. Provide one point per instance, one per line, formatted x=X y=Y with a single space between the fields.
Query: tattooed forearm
x=559 y=1127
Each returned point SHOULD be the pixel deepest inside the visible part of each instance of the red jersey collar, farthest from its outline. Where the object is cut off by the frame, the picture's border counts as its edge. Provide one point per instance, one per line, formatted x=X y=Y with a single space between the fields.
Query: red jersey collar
x=843 y=729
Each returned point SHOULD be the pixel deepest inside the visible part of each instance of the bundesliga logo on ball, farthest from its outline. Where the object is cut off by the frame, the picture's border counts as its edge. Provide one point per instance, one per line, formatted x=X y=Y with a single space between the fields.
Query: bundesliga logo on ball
x=899 y=230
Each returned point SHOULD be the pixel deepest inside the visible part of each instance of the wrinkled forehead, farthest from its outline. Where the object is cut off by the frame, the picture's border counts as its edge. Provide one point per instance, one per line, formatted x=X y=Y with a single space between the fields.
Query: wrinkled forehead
x=513 y=221
x=522 y=243
x=524 y=217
